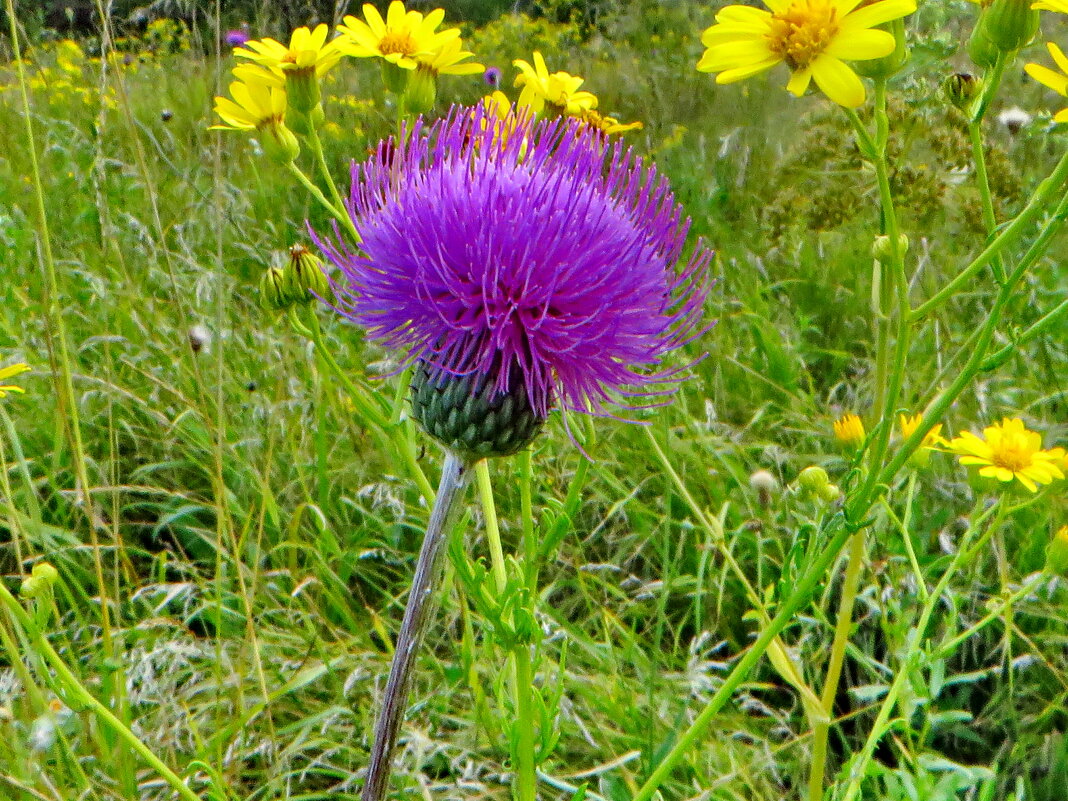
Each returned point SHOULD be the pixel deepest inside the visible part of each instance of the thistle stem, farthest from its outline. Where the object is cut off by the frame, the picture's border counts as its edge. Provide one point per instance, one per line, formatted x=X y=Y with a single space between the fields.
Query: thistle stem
x=454 y=479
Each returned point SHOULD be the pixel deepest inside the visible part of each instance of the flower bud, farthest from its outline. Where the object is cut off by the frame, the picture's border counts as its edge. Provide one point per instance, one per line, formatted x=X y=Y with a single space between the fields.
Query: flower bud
x=279 y=143
x=830 y=493
x=41 y=579
x=302 y=90
x=813 y=479
x=961 y=89
x=1057 y=553
x=303 y=278
x=981 y=49
x=890 y=64
x=273 y=294
x=1009 y=24
x=395 y=78
x=420 y=92
x=882 y=250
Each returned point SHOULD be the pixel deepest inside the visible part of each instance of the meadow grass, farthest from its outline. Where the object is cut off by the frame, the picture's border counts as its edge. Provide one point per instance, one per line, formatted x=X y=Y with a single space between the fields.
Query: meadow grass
x=232 y=576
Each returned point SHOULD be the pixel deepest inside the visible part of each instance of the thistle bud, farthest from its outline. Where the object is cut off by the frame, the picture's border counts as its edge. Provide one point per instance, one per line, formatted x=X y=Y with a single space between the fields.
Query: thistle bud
x=466 y=413
x=273 y=294
x=1009 y=24
x=961 y=89
x=303 y=278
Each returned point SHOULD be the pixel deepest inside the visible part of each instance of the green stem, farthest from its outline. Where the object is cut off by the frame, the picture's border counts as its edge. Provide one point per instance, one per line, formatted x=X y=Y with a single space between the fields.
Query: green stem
x=365 y=406
x=526 y=778
x=798 y=598
x=320 y=160
x=493 y=531
x=521 y=673
x=317 y=193
x=975 y=135
x=915 y=650
x=526 y=510
x=1039 y=202
x=850 y=583
x=81 y=697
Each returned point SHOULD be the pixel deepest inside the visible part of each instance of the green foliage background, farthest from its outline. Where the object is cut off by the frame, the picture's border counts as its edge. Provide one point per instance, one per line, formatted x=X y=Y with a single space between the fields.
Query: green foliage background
x=255 y=548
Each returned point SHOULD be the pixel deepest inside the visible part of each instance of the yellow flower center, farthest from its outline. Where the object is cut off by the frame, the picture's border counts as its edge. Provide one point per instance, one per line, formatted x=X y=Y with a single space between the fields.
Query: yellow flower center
x=802 y=32
x=397 y=42
x=1012 y=453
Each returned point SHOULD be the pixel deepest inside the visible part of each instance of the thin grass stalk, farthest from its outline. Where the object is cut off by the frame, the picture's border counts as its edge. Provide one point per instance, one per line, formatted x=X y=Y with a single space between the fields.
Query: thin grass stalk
x=455 y=476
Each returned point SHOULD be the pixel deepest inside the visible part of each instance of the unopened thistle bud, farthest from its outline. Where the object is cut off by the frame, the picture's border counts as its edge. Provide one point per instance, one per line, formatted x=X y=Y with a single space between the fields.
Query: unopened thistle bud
x=1009 y=24
x=303 y=278
x=273 y=293
x=466 y=413
x=961 y=89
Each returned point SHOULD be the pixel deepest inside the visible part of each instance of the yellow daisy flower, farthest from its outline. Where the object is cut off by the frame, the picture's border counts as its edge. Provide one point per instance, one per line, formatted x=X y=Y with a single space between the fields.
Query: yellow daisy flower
x=607 y=125
x=931 y=439
x=398 y=39
x=849 y=430
x=1051 y=5
x=445 y=60
x=1007 y=451
x=559 y=90
x=1057 y=81
x=258 y=105
x=813 y=37
x=9 y=372
x=307 y=52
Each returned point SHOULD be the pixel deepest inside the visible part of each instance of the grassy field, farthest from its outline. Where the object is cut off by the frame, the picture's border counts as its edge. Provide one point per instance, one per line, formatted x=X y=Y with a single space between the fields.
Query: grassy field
x=234 y=548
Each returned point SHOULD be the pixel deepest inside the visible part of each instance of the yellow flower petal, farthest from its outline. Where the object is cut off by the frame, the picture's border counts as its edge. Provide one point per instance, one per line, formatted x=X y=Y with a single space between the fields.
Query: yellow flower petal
x=838 y=81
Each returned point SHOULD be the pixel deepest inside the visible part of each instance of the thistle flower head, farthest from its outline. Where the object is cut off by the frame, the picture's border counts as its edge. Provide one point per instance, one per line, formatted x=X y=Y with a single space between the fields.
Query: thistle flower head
x=545 y=261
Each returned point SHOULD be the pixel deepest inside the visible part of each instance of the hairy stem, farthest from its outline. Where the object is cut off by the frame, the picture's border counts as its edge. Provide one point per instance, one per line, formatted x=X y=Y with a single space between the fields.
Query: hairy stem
x=454 y=479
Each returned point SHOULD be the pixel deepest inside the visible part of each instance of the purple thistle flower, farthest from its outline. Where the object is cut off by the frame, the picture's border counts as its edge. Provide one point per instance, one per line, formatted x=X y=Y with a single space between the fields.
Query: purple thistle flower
x=492 y=77
x=525 y=250
x=237 y=37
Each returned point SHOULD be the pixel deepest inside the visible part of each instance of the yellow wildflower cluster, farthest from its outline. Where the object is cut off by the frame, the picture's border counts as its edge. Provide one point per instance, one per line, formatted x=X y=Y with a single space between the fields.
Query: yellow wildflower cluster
x=277 y=90
x=1007 y=451
x=56 y=72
